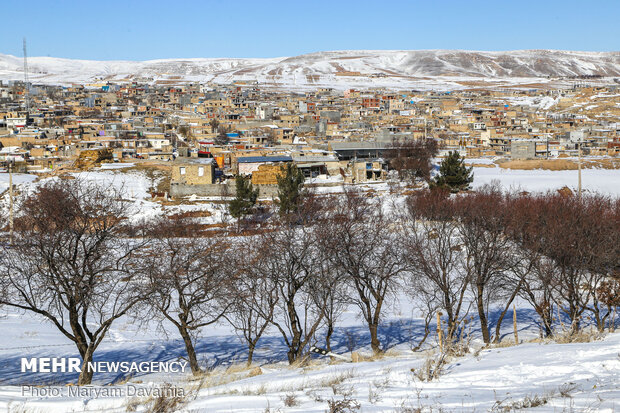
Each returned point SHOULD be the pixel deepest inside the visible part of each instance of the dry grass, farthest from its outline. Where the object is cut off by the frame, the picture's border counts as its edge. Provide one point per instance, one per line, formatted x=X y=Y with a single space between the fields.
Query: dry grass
x=528 y=402
x=290 y=400
x=346 y=405
x=191 y=214
x=508 y=342
x=535 y=400
x=432 y=367
x=390 y=353
x=222 y=376
x=167 y=401
x=584 y=335
x=336 y=379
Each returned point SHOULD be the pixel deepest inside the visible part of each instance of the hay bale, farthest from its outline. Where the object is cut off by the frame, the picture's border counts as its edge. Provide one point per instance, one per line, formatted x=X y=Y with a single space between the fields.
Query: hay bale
x=92 y=157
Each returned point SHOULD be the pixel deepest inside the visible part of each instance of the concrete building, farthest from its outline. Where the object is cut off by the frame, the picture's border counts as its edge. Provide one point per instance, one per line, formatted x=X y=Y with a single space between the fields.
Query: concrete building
x=522 y=149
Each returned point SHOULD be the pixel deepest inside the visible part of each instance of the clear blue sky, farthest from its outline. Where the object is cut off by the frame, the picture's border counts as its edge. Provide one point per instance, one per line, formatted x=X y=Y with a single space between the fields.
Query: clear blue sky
x=140 y=30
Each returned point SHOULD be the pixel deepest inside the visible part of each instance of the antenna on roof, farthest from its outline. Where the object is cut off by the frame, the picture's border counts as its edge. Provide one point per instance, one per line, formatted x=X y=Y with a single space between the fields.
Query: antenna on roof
x=26 y=82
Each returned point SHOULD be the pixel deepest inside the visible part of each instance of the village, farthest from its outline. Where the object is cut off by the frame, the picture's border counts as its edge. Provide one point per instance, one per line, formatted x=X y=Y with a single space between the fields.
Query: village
x=327 y=207
x=329 y=250
x=203 y=135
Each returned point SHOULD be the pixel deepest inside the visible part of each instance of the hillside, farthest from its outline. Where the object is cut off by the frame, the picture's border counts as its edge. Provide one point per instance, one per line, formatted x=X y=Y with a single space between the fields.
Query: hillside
x=439 y=69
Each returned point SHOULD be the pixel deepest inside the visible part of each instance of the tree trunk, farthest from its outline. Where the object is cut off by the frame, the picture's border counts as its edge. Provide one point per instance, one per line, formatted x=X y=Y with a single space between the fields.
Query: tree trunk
x=427 y=331
x=191 y=351
x=375 y=344
x=498 y=327
x=482 y=315
x=86 y=375
x=251 y=347
x=294 y=351
x=547 y=318
x=600 y=321
x=328 y=335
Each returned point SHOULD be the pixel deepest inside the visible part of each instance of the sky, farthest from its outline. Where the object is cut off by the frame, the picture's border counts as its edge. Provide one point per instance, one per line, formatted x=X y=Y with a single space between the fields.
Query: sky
x=157 y=29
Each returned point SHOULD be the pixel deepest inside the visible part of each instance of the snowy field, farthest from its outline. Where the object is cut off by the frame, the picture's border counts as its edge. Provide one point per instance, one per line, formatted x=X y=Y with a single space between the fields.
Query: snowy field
x=604 y=181
x=568 y=377
x=18 y=179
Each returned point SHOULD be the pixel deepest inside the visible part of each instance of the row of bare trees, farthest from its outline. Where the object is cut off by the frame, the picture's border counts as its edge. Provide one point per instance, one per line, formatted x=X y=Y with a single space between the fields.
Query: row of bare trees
x=80 y=262
x=552 y=250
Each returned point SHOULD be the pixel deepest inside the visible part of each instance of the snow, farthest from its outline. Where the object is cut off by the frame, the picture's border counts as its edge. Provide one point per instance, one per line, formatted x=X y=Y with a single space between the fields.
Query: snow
x=590 y=372
x=402 y=69
x=472 y=383
x=115 y=166
x=478 y=381
x=604 y=181
x=544 y=102
x=18 y=179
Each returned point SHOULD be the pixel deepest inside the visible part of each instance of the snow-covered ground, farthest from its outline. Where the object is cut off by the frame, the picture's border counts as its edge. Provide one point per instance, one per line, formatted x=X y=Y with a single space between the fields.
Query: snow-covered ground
x=590 y=379
x=18 y=179
x=604 y=181
x=568 y=377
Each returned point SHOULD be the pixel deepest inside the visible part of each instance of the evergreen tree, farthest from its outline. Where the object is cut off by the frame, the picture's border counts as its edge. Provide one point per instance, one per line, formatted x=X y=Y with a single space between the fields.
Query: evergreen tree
x=290 y=188
x=453 y=174
x=244 y=202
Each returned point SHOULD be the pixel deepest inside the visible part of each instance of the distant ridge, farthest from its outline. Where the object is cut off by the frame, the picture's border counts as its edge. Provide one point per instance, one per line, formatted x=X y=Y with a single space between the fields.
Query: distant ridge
x=347 y=68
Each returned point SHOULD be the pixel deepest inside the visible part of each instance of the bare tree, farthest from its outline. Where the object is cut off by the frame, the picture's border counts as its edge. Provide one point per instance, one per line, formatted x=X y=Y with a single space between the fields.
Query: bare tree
x=222 y=135
x=533 y=270
x=481 y=226
x=254 y=298
x=214 y=124
x=411 y=158
x=576 y=239
x=608 y=294
x=287 y=259
x=186 y=132
x=436 y=258
x=71 y=263
x=272 y=138
x=368 y=254
x=329 y=286
x=187 y=279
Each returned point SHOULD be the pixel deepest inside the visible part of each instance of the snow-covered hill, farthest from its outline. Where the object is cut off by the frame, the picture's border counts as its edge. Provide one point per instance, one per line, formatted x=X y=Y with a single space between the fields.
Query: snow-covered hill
x=341 y=69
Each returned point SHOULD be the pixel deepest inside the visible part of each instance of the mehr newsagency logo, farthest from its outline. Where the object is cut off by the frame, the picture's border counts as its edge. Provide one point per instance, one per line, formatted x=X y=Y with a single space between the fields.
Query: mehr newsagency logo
x=74 y=365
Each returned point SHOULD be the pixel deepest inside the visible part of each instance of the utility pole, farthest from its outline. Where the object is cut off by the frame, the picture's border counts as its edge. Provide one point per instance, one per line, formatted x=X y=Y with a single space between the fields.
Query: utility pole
x=579 y=166
x=27 y=88
x=11 y=202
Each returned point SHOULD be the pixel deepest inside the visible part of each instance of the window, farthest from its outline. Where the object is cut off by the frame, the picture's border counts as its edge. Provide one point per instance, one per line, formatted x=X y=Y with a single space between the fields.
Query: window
x=182 y=170
x=201 y=171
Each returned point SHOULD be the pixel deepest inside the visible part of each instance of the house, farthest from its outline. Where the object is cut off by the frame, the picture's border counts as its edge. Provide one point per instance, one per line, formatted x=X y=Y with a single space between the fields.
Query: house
x=367 y=171
x=523 y=149
x=359 y=150
x=198 y=171
x=248 y=164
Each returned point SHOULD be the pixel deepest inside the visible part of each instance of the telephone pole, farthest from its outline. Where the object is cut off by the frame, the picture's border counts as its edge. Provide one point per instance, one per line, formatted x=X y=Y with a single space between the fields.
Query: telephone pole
x=11 y=202
x=27 y=88
x=579 y=167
